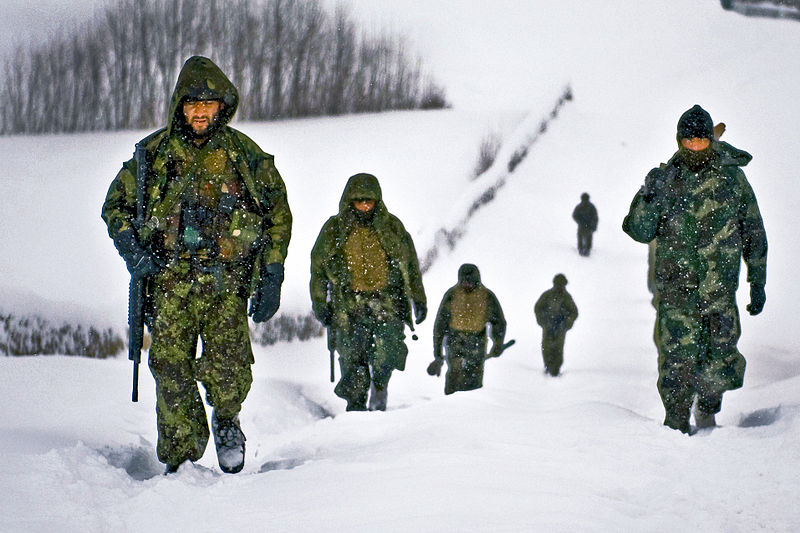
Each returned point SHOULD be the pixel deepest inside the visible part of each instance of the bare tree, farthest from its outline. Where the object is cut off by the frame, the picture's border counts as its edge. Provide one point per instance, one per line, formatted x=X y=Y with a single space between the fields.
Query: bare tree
x=289 y=58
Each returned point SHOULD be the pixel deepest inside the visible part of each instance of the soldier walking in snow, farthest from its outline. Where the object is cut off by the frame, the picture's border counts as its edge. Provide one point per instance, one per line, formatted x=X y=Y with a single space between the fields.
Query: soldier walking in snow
x=364 y=280
x=555 y=312
x=217 y=223
x=460 y=325
x=585 y=214
x=703 y=215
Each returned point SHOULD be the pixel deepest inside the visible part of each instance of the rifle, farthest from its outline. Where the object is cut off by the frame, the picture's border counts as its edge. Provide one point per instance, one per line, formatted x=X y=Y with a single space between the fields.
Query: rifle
x=503 y=348
x=409 y=300
x=435 y=368
x=136 y=289
x=331 y=350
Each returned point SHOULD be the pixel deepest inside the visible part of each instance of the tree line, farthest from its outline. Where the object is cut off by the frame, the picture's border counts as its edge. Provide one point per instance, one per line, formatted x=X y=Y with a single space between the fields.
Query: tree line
x=288 y=58
x=33 y=335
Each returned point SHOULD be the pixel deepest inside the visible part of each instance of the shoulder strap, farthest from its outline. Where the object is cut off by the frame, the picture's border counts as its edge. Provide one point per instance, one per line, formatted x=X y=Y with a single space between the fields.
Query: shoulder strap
x=243 y=167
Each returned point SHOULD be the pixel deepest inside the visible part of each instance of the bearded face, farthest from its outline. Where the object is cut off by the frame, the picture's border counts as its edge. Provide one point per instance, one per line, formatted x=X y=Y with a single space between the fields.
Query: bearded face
x=695 y=152
x=695 y=160
x=201 y=116
x=364 y=209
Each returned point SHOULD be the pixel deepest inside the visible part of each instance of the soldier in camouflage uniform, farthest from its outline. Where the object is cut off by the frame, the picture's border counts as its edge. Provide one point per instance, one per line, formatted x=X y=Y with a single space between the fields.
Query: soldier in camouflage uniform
x=704 y=218
x=217 y=228
x=461 y=326
x=555 y=311
x=585 y=214
x=364 y=279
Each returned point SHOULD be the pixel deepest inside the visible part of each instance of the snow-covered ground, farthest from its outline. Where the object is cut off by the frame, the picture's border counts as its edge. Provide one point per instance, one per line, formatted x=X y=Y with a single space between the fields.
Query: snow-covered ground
x=583 y=452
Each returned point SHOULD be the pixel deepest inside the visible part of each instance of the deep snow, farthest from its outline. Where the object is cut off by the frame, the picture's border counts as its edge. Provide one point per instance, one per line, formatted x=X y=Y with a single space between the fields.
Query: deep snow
x=585 y=451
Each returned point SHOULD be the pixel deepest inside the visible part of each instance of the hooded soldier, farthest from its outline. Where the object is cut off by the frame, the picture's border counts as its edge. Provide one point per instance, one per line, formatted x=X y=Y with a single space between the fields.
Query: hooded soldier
x=460 y=326
x=555 y=312
x=216 y=231
x=585 y=215
x=365 y=282
x=703 y=215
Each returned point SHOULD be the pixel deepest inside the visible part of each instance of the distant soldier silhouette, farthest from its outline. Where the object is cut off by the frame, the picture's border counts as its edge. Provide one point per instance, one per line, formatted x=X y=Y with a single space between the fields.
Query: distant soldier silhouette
x=460 y=326
x=585 y=214
x=556 y=312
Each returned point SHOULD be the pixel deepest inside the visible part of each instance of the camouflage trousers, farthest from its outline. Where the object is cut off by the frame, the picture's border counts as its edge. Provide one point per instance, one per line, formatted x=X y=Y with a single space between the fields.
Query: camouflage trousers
x=466 y=355
x=370 y=348
x=553 y=350
x=584 y=240
x=190 y=304
x=697 y=356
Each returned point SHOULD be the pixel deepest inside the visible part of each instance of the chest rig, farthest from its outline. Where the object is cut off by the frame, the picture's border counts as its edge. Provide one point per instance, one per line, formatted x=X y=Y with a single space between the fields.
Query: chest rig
x=200 y=206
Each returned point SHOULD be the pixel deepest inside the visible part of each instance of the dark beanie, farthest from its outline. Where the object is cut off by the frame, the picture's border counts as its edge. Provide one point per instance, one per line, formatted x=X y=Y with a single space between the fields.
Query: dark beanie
x=695 y=123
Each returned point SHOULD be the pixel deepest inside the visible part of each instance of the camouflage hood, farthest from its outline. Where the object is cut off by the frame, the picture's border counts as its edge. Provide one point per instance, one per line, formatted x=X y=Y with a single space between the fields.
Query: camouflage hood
x=361 y=186
x=201 y=79
x=469 y=273
x=329 y=265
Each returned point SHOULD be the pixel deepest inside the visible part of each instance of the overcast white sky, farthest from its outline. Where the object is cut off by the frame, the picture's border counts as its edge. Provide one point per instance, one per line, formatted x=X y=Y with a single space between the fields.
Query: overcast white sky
x=21 y=20
x=500 y=56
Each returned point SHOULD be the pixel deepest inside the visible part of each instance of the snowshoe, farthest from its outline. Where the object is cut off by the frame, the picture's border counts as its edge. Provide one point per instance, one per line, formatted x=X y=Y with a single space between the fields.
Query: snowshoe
x=229 y=440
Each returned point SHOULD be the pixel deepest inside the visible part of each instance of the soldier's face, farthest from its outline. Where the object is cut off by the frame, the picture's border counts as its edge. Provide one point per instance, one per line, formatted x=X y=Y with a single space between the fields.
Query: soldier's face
x=695 y=152
x=201 y=114
x=468 y=285
x=364 y=206
x=696 y=144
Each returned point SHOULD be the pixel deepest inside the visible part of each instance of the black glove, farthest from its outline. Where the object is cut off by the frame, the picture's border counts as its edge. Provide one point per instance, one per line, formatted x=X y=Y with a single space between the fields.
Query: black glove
x=435 y=368
x=654 y=185
x=139 y=261
x=420 y=311
x=497 y=349
x=267 y=298
x=326 y=315
x=757 y=299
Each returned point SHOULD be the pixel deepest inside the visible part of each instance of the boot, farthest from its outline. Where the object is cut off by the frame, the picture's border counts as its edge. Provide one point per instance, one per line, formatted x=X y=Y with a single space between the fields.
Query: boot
x=355 y=406
x=171 y=469
x=229 y=440
x=705 y=408
x=377 y=398
x=704 y=420
x=678 y=423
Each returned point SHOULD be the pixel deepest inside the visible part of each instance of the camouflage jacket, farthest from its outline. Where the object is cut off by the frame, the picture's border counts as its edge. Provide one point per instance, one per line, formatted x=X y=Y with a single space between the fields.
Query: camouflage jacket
x=462 y=311
x=555 y=310
x=246 y=213
x=330 y=276
x=585 y=214
x=703 y=224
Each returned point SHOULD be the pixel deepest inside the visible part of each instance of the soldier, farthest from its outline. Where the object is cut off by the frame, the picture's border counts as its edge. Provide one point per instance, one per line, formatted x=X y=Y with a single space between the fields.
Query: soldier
x=364 y=280
x=217 y=230
x=461 y=326
x=585 y=214
x=704 y=218
x=555 y=311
